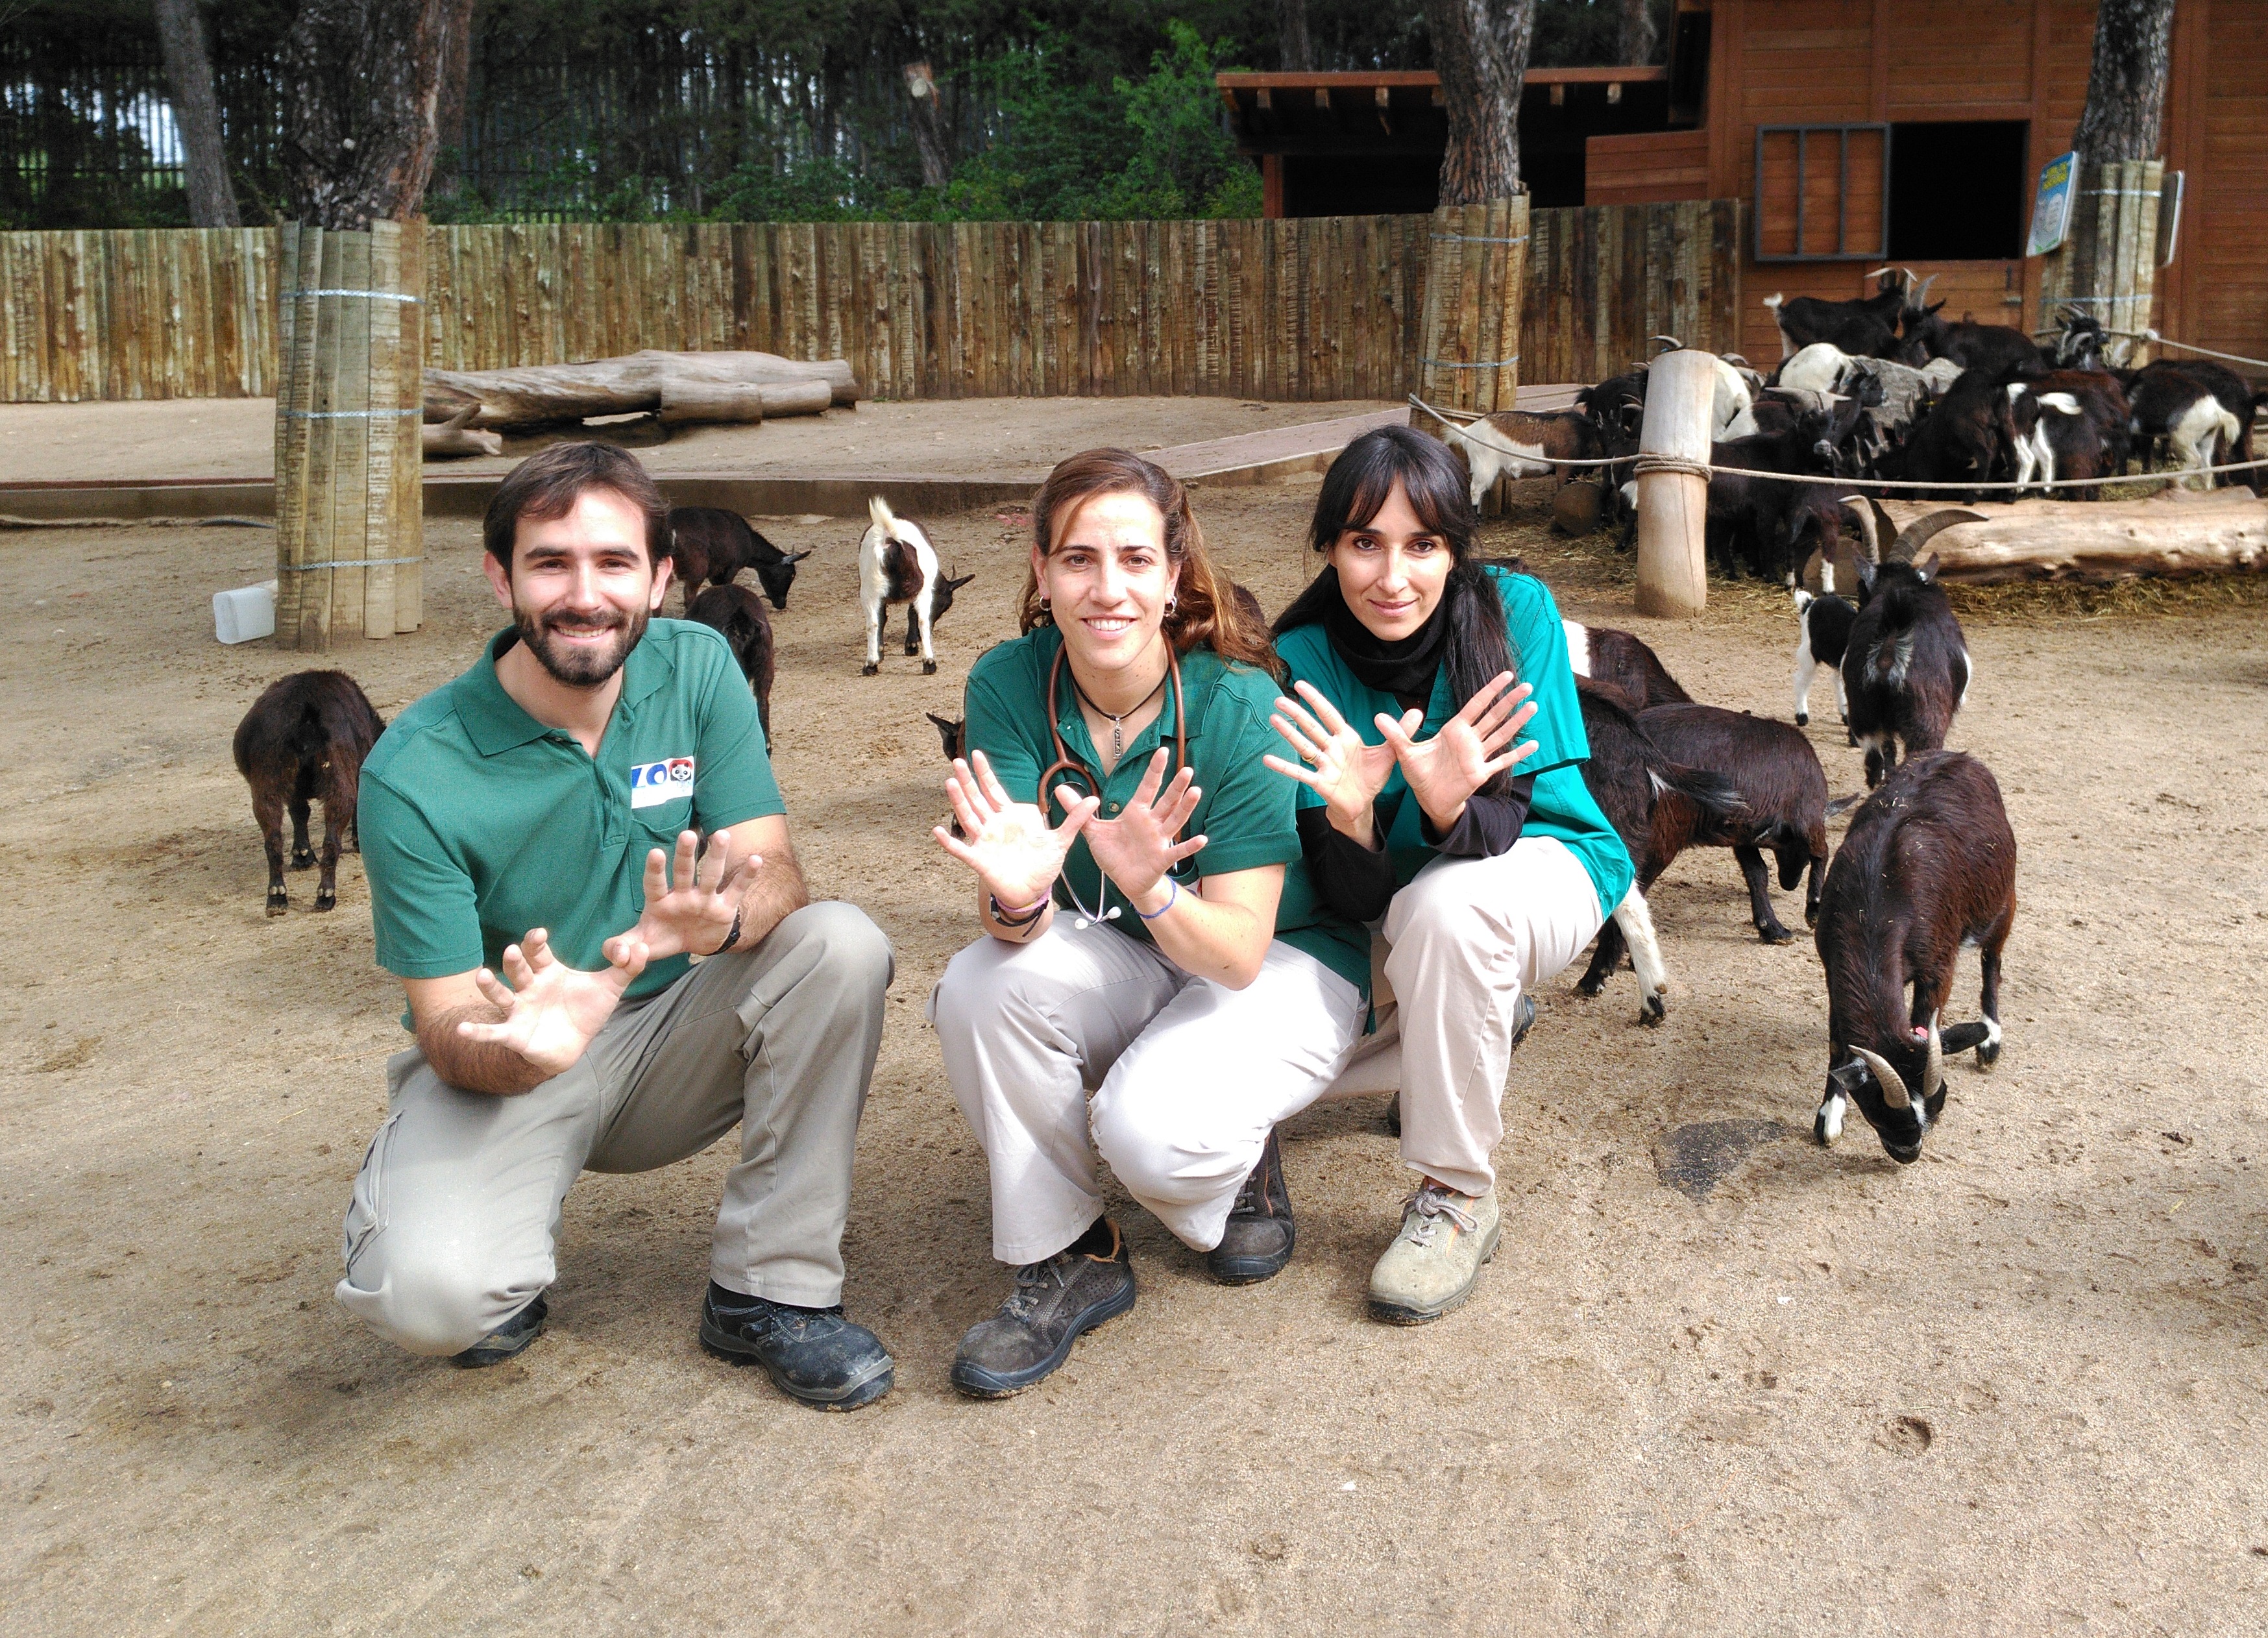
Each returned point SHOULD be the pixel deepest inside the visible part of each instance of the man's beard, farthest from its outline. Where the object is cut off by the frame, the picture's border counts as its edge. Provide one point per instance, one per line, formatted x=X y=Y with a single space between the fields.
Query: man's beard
x=574 y=666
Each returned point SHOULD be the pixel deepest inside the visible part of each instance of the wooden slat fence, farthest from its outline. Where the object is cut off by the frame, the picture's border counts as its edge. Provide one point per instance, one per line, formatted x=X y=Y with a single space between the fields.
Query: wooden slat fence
x=1313 y=308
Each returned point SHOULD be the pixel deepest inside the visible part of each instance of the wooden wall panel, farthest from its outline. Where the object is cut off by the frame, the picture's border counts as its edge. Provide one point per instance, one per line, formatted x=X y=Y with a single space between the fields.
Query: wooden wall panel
x=1649 y=168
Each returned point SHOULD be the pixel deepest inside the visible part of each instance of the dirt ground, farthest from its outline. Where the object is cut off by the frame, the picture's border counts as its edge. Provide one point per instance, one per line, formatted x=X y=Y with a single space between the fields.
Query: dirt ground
x=214 y=438
x=2018 y=1387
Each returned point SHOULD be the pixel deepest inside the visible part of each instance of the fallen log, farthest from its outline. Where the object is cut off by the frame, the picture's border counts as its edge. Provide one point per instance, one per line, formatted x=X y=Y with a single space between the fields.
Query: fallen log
x=2175 y=532
x=686 y=401
x=546 y=394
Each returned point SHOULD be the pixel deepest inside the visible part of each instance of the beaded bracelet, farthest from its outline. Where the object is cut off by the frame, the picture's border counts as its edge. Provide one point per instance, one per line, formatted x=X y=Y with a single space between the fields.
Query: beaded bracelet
x=1152 y=915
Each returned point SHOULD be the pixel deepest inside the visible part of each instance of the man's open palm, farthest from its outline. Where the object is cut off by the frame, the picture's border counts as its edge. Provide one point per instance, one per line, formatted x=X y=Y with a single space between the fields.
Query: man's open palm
x=552 y=1011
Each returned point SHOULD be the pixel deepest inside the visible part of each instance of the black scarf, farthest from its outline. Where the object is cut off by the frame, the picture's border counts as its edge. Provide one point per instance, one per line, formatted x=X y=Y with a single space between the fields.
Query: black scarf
x=1405 y=668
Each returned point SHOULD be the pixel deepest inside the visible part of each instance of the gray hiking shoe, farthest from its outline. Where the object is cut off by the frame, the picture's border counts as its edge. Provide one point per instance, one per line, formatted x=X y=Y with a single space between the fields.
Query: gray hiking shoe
x=1054 y=1301
x=1435 y=1261
x=506 y=1339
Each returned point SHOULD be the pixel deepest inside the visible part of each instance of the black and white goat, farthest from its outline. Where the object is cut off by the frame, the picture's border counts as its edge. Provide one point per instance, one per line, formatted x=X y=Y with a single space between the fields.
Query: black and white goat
x=2203 y=412
x=1514 y=444
x=303 y=742
x=709 y=543
x=1628 y=776
x=1823 y=624
x=739 y=615
x=1905 y=669
x=1617 y=657
x=1928 y=866
x=897 y=565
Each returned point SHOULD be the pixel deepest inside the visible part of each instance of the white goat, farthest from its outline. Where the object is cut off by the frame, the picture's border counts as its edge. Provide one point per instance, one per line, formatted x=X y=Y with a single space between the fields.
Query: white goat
x=896 y=564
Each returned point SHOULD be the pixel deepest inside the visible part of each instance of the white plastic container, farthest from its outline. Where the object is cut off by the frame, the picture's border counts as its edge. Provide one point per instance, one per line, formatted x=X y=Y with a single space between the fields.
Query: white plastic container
x=247 y=612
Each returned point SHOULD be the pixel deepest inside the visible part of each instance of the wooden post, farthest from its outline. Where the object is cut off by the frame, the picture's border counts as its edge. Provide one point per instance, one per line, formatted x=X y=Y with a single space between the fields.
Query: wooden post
x=1673 y=505
x=1475 y=269
x=348 y=455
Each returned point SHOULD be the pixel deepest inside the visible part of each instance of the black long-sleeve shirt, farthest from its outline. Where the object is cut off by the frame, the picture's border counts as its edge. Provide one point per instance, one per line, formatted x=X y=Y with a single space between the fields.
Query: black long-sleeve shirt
x=1358 y=881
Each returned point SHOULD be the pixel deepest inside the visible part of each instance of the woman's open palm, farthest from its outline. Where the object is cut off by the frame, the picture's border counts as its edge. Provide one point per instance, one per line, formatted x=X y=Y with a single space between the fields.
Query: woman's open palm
x=1471 y=748
x=1014 y=852
x=1347 y=773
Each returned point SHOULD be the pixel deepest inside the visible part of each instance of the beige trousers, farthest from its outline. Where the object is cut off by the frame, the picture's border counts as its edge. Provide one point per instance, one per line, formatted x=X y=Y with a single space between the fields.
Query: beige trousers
x=1188 y=1075
x=454 y=1219
x=1464 y=939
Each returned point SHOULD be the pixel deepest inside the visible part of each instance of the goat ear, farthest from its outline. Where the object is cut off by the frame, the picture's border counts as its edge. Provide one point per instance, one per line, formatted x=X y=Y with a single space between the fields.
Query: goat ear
x=1866 y=571
x=1892 y=1085
x=797 y=556
x=1927 y=567
x=1843 y=805
x=1963 y=1037
x=1846 y=1079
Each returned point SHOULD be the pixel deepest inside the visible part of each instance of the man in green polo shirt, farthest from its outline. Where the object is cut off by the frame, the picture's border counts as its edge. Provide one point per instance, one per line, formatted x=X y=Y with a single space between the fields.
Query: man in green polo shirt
x=532 y=834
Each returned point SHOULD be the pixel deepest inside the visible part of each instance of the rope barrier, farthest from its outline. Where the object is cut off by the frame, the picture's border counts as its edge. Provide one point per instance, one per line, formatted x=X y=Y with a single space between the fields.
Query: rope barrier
x=2152 y=335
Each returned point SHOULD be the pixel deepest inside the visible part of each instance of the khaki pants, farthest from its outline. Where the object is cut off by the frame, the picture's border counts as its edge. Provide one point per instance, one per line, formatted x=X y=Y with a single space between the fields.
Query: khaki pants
x=454 y=1219
x=1464 y=939
x=1188 y=1075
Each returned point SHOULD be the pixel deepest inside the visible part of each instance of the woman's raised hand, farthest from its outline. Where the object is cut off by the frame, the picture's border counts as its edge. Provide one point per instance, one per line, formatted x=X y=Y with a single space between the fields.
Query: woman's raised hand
x=1137 y=848
x=1011 y=846
x=1472 y=748
x=1344 y=771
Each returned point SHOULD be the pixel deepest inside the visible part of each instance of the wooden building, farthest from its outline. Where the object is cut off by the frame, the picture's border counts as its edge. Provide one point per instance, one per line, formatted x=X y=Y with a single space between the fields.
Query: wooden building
x=1860 y=132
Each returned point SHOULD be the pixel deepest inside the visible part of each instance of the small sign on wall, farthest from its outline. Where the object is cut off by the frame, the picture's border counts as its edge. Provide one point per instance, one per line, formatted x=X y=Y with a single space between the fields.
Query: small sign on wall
x=2051 y=204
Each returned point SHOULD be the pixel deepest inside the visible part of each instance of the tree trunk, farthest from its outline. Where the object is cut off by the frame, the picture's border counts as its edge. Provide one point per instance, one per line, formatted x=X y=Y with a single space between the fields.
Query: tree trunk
x=362 y=80
x=1480 y=50
x=1636 y=39
x=1298 y=56
x=928 y=128
x=2126 y=87
x=196 y=111
x=456 y=67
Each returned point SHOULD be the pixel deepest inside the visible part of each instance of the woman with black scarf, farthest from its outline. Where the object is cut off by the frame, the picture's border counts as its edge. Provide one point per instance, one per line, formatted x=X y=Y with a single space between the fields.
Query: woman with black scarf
x=1481 y=857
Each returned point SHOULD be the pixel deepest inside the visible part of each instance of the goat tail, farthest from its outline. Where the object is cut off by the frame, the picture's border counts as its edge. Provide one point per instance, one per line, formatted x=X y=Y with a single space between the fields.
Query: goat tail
x=1773 y=301
x=878 y=511
x=1711 y=793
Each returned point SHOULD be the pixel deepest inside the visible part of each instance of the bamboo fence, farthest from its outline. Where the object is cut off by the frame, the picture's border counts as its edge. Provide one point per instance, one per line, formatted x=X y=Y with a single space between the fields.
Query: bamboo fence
x=1311 y=308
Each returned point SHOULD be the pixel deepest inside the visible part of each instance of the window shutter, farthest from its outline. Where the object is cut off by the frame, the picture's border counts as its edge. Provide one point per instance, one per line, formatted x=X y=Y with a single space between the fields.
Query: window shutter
x=1823 y=192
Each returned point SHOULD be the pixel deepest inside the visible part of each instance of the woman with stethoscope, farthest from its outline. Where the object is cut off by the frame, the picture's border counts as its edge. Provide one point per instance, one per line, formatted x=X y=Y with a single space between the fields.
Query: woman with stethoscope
x=1150 y=934
x=1485 y=882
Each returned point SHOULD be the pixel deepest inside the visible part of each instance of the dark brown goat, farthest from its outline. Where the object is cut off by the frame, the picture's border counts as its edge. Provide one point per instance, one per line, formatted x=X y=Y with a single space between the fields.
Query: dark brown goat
x=710 y=543
x=1928 y=864
x=739 y=614
x=303 y=742
x=1604 y=654
x=1905 y=664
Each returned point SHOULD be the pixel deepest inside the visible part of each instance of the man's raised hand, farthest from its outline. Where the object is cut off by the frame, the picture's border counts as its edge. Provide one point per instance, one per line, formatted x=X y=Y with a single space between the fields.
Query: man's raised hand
x=551 y=1011
x=1014 y=852
x=688 y=912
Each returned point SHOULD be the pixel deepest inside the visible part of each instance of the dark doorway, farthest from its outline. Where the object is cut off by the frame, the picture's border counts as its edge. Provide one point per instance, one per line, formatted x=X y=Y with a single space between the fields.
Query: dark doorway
x=1957 y=191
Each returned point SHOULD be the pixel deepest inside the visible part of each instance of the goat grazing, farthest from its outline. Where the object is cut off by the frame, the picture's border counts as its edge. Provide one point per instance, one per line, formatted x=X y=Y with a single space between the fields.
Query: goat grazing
x=1929 y=865
x=2201 y=410
x=1624 y=661
x=739 y=615
x=1996 y=348
x=1906 y=667
x=303 y=742
x=897 y=565
x=1628 y=775
x=1514 y=444
x=710 y=543
x=1770 y=526
x=1822 y=637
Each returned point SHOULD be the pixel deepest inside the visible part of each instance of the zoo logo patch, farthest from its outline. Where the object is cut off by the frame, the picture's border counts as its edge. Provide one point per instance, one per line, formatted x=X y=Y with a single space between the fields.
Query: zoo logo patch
x=654 y=783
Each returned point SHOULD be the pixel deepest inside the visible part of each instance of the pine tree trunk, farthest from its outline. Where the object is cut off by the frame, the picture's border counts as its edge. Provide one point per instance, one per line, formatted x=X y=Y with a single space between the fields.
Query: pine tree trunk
x=196 y=111
x=363 y=79
x=929 y=127
x=456 y=68
x=1299 y=55
x=1636 y=39
x=2126 y=86
x=1480 y=50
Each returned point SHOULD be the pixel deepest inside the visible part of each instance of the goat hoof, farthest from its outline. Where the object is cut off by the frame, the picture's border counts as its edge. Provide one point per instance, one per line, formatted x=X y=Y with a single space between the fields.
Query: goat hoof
x=929 y=668
x=327 y=901
x=1776 y=935
x=1590 y=986
x=868 y=671
x=1652 y=1010
x=1394 y=1117
x=303 y=861
x=278 y=902
x=1988 y=1054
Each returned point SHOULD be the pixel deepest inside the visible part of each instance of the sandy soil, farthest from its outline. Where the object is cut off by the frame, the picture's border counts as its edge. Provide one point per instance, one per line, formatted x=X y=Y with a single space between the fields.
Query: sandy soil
x=235 y=436
x=2014 y=1388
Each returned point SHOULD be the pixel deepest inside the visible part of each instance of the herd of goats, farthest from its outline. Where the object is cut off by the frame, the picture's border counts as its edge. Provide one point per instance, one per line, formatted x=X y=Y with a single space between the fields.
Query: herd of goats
x=1926 y=866
x=1888 y=387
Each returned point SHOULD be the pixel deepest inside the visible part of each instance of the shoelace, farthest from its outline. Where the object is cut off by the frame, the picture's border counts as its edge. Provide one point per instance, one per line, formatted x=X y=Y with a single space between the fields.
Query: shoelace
x=1431 y=1206
x=1032 y=1278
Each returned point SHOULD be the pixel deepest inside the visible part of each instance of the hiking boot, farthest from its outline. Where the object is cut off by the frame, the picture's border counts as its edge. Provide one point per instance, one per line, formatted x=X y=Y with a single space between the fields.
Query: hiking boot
x=1435 y=1261
x=1522 y=1023
x=1257 y=1241
x=1054 y=1300
x=810 y=1354
x=506 y=1339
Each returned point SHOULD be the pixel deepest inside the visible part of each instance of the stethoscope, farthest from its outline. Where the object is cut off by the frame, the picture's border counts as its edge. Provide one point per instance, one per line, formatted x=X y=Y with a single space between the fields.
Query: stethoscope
x=1067 y=769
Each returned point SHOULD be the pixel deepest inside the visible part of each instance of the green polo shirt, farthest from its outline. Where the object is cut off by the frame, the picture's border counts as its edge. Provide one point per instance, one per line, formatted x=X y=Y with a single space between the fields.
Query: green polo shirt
x=477 y=822
x=1561 y=805
x=1244 y=810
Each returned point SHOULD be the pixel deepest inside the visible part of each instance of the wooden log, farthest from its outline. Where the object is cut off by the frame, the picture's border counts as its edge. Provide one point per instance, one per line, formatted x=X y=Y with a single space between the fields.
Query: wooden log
x=543 y=394
x=453 y=440
x=692 y=400
x=2175 y=533
x=1672 y=506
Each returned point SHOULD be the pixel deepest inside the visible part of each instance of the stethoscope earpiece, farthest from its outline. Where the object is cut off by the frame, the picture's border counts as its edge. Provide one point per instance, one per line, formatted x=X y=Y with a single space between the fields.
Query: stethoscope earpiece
x=1082 y=923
